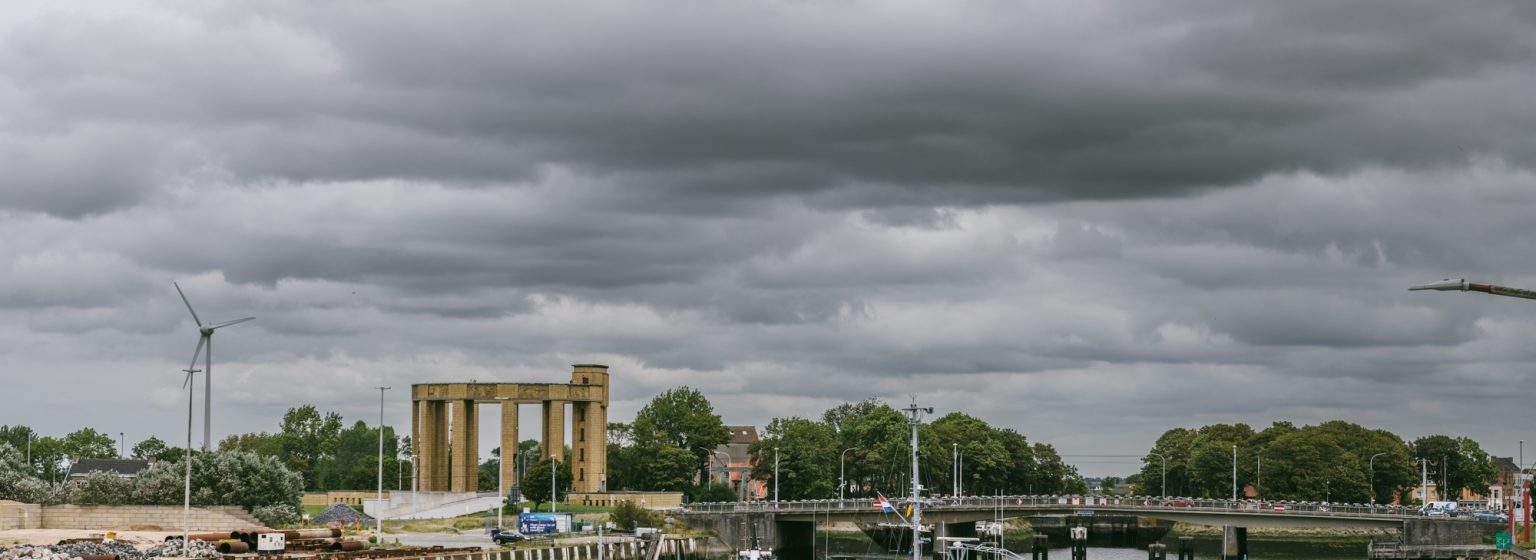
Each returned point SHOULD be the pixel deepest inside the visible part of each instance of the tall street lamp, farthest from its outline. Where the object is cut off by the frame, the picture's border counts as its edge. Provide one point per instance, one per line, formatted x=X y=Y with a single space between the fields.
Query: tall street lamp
x=1165 y=471
x=378 y=517
x=775 y=476
x=954 y=469
x=1372 y=464
x=1234 y=472
x=842 y=481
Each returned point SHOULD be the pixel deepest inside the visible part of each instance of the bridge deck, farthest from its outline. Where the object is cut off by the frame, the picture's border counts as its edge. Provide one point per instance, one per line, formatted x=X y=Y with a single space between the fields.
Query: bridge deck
x=1240 y=513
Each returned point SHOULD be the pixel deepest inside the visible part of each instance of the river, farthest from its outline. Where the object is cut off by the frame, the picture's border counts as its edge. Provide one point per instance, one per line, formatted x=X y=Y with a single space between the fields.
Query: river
x=1205 y=549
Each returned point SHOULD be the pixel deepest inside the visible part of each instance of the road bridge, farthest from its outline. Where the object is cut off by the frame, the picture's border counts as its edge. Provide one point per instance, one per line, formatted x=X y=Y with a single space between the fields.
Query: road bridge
x=794 y=521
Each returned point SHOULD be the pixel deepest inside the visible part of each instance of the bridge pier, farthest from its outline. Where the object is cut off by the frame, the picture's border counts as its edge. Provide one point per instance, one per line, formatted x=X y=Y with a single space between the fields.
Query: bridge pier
x=944 y=530
x=1234 y=543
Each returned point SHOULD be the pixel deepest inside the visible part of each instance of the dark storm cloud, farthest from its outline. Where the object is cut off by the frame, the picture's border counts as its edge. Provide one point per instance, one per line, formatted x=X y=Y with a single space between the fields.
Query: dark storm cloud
x=1068 y=218
x=706 y=103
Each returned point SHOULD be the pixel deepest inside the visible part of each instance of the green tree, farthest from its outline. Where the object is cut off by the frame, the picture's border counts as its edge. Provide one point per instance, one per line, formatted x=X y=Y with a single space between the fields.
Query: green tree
x=682 y=418
x=87 y=443
x=807 y=456
x=354 y=461
x=306 y=438
x=1455 y=464
x=878 y=435
x=535 y=484
x=154 y=449
x=101 y=488
x=232 y=478
x=270 y=445
x=714 y=492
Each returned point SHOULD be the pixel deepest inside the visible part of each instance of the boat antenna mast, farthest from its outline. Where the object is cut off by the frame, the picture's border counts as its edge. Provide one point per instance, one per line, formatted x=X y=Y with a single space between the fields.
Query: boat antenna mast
x=915 y=413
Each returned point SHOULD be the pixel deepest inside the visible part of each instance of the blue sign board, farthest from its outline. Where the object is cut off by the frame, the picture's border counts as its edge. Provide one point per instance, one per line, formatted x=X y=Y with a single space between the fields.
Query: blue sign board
x=538 y=523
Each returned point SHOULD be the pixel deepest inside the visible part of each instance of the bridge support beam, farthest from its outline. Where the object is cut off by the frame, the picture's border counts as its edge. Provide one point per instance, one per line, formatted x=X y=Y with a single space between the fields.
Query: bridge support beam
x=948 y=530
x=1234 y=543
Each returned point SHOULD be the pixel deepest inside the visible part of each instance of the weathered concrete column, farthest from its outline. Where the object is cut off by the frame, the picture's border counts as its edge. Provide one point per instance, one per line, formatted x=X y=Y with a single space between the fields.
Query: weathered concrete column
x=434 y=447
x=589 y=433
x=553 y=443
x=508 y=445
x=416 y=431
x=1234 y=543
x=463 y=450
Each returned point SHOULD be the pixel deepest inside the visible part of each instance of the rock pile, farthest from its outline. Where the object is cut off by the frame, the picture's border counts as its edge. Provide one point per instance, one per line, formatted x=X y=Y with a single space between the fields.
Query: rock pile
x=118 y=550
x=340 y=514
x=200 y=549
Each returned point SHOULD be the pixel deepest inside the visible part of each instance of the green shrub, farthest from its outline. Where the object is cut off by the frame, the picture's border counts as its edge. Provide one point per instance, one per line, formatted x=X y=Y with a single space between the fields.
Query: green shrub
x=276 y=515
x=102 y=489
x=628 y=515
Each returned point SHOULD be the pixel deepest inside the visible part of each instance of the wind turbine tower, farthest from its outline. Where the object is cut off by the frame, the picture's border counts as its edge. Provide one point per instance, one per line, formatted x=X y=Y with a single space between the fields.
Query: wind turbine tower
x=205 y=340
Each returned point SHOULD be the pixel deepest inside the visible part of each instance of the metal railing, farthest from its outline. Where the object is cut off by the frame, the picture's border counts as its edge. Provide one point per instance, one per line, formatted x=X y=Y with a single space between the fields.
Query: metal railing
x=1120 y=503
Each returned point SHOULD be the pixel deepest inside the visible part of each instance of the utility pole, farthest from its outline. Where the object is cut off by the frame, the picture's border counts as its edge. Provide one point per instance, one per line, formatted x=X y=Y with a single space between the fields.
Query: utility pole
x=1234 y=472
x=915 y=413
x=1424 y=482
x=378 y=499
x=775 y=477
x=1372 y=465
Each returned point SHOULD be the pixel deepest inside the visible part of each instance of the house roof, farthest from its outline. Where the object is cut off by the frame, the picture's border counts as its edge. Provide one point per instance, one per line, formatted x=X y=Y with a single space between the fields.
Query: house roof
x=123 y=467
x=1506 y=464
x=743 y=434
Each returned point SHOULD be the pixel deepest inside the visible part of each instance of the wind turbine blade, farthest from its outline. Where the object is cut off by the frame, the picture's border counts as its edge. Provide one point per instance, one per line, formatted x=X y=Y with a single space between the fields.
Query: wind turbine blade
x=187 y=379
x=228 y=323
x=195 y=353
x=189 y=304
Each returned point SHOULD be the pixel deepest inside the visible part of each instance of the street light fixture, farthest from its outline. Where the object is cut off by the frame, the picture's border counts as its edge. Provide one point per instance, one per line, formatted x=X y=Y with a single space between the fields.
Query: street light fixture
x=1372 y=464
x=1165 y=471
x=378 y=499
x=842 y=481
x=1234 y=472
x=775 y=476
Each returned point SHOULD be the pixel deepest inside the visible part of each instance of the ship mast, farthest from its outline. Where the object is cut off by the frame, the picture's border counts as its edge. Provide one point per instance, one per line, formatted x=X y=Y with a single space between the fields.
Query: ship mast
x=916 y=414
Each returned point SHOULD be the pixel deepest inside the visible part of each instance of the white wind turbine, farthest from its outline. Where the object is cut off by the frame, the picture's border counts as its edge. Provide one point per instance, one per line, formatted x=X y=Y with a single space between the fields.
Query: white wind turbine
x=206 y=339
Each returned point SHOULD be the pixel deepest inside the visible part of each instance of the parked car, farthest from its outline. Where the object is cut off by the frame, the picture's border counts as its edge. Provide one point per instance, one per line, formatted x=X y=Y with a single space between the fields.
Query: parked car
x=1496 y=516
x=507 y=536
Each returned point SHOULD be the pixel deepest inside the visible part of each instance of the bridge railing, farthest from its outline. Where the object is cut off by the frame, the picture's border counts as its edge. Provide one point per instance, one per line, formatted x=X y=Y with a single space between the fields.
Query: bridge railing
x=1149 y=503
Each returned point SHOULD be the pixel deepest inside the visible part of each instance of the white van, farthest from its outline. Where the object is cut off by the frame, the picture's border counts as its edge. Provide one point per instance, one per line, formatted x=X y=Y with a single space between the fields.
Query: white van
x=1439 y=509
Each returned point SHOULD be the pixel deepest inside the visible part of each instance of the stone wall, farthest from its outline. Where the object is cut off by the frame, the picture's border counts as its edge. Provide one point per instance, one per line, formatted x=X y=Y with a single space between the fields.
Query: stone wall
x=145 y=518
x=16 y=515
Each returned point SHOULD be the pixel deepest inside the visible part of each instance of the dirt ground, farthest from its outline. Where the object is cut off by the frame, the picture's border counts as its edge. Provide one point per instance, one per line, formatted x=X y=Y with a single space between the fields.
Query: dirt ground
x=53 y=536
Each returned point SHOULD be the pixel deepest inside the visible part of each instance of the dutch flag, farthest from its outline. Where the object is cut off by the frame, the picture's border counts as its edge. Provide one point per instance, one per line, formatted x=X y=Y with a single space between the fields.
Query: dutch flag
x=884 y=504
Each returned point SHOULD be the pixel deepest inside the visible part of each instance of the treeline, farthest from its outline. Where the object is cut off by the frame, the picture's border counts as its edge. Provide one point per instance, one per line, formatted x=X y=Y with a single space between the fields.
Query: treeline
x=1335 y=461
x=263 y=485
x=878 y=457
x=50 y=455
x=328 y=454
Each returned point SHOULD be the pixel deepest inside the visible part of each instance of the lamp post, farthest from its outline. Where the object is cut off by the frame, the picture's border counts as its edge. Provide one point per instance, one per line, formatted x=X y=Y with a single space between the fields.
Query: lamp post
x=1234 y=472
x=378 y=499
x=775 y=477
x=1372 y=464
x=954 y=469
x=122 y=446
x=842 y=481
x=1165 y=471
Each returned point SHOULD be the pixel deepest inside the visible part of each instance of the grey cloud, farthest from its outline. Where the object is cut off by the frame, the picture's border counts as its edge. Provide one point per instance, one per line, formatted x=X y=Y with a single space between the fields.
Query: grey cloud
x=971 y=104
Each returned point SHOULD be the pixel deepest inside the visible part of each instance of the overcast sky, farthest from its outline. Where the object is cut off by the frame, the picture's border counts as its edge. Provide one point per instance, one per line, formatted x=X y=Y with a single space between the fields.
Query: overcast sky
x=1090 y=221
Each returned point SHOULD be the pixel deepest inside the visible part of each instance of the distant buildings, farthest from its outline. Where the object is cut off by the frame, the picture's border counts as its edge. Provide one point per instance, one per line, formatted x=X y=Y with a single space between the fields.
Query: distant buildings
x=123 y=468
x=737 y=458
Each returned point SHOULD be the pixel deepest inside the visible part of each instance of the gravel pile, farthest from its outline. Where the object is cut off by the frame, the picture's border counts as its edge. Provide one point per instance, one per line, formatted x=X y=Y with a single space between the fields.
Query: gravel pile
x=124 y=551
x=342 y=514
x=32 y=553
x=200 y=549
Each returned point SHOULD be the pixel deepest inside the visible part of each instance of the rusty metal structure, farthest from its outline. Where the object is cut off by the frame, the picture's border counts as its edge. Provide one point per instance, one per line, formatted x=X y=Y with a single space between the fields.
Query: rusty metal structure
x=445 y=428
